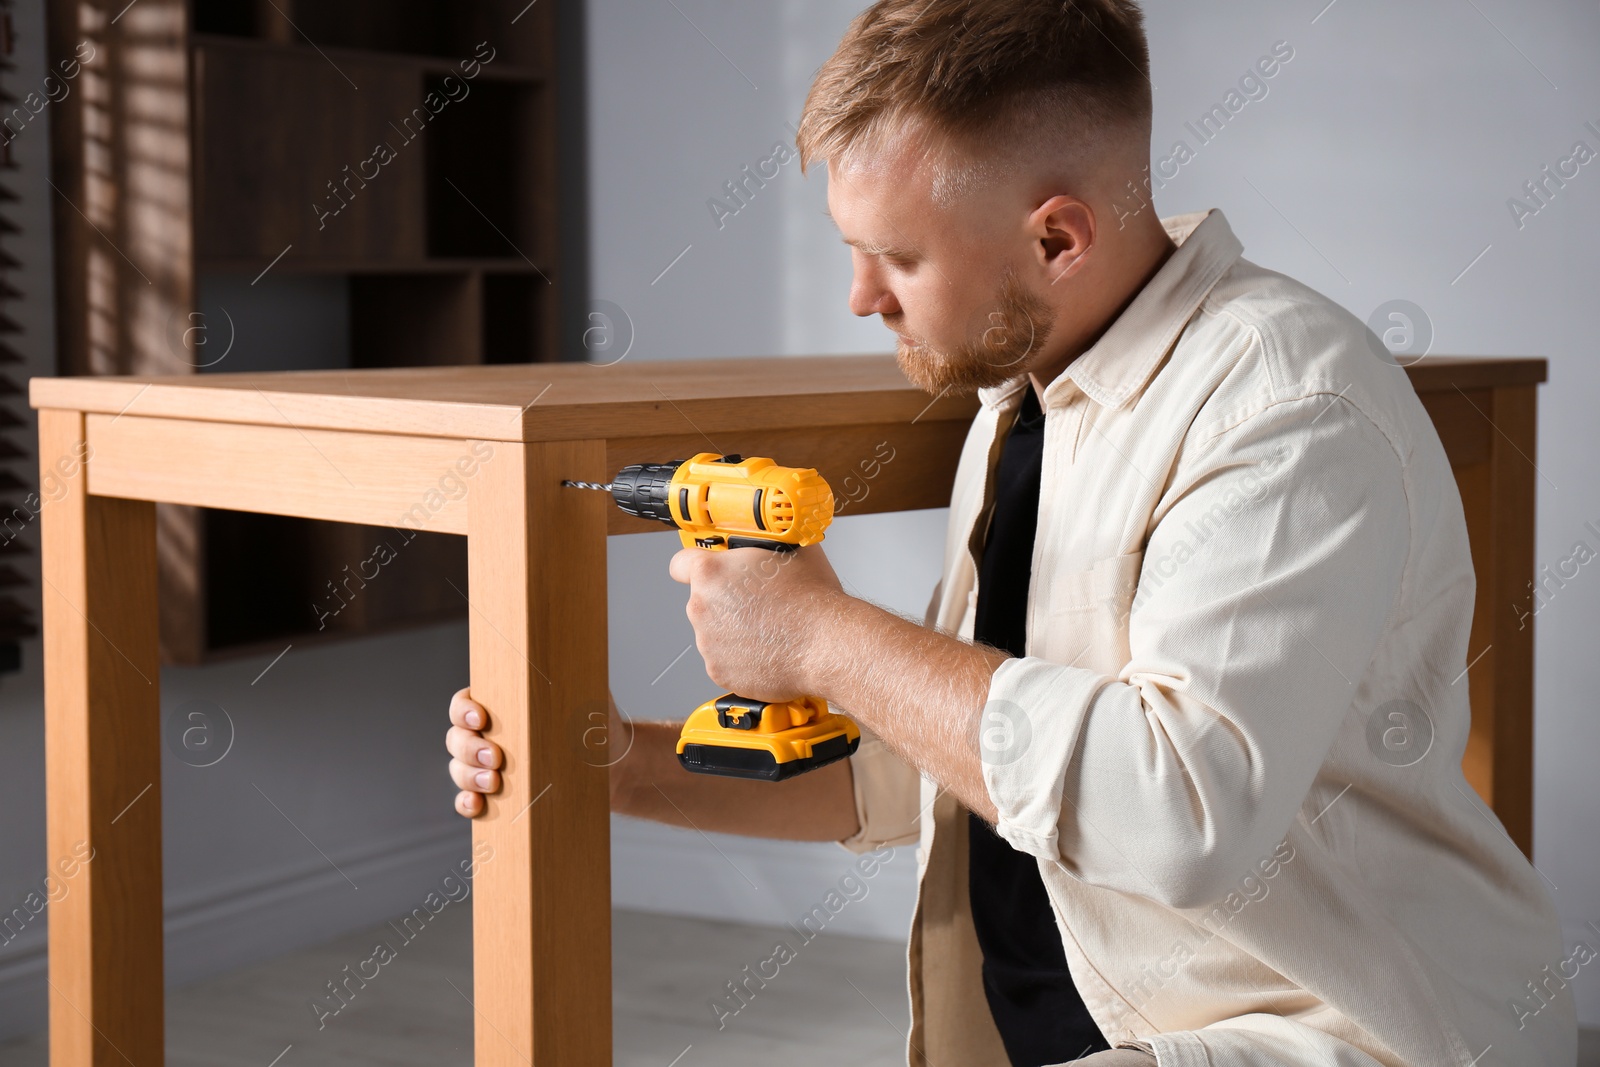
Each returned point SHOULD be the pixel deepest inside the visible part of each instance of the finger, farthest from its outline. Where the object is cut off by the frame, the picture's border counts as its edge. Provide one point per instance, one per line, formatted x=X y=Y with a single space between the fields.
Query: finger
x=469 y=804
x=469 y=747
x=464 y=711
x=467 y=776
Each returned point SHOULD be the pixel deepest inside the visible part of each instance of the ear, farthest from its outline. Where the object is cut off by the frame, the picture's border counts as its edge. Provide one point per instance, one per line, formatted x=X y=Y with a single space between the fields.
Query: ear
x=1063 y=231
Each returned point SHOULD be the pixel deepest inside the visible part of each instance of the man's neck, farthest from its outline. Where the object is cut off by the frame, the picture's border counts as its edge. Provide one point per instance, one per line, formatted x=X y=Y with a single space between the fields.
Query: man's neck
x=1146 y=252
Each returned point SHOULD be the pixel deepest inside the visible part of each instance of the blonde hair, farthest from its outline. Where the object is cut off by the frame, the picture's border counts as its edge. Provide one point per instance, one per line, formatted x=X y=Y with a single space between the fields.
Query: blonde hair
x=985 y=81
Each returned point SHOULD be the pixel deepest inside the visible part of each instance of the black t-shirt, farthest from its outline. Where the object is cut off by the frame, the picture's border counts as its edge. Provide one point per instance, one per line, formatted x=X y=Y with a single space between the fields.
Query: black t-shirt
x=1036 y=1007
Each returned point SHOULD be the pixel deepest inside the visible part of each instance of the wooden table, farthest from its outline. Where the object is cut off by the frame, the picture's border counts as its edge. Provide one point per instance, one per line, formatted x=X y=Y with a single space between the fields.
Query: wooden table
x=371 y=447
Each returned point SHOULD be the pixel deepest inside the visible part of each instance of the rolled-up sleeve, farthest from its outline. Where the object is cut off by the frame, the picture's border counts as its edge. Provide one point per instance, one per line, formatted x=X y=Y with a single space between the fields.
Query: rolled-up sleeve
x=888 y=790
x=1282 y=543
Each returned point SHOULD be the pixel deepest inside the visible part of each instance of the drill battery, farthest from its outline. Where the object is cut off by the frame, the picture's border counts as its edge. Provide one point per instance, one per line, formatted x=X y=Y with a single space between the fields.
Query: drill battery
x=741 y=738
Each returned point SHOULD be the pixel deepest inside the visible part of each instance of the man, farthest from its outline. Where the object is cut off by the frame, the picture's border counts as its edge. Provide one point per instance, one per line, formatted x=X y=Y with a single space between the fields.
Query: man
x=1205 y=559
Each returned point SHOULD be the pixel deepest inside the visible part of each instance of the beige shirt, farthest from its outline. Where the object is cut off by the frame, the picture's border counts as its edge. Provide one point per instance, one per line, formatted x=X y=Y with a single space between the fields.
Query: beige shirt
x=1235 y=743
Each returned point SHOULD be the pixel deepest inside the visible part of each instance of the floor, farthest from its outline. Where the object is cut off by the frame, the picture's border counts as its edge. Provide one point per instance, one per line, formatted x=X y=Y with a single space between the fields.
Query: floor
x=837 y=998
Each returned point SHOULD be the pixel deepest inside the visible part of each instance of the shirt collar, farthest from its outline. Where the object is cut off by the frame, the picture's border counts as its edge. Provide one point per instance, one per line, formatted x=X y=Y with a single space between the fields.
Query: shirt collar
x=1116 y=368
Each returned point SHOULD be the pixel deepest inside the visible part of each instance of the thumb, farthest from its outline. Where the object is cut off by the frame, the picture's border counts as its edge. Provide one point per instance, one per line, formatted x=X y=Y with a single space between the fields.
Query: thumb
x=683 y=564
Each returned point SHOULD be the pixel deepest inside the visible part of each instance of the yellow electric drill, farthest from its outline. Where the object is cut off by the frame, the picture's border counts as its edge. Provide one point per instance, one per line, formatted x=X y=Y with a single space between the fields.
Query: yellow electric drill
x=720 y=502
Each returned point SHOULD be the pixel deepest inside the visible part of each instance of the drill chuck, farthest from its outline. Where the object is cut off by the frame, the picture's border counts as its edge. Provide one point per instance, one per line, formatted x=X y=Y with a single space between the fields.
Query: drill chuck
x=642 y=490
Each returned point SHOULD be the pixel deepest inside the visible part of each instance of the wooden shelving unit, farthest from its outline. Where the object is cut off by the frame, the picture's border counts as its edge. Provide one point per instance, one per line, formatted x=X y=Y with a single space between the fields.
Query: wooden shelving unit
x=407 y=146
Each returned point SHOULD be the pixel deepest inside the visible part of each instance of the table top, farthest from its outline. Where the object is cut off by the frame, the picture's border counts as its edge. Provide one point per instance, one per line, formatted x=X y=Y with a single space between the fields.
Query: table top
x=528 y=401
x=559 y=401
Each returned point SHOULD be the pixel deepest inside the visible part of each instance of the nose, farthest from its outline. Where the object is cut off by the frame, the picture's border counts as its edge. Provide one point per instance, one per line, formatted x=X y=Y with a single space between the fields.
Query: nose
x=868 y=294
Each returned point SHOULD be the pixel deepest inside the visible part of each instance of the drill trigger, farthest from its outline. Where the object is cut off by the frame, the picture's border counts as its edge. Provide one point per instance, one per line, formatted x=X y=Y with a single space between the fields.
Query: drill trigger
x=737 y=541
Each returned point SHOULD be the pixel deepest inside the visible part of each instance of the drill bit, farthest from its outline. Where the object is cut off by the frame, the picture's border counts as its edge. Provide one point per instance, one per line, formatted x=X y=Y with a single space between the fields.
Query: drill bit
x=602 y=486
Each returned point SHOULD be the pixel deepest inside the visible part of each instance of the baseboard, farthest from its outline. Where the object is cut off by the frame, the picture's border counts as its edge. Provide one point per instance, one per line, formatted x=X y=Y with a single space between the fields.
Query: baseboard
x=234 y=923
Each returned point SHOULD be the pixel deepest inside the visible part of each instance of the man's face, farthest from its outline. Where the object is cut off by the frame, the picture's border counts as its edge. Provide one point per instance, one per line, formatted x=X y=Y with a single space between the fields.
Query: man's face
x=942 y=277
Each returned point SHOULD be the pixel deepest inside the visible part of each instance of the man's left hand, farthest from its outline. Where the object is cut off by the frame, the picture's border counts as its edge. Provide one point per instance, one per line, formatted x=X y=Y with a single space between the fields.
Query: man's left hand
x=755 y=613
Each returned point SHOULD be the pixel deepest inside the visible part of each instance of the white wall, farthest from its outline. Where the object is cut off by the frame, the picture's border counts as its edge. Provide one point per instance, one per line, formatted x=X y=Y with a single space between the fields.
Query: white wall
x=1389 y=144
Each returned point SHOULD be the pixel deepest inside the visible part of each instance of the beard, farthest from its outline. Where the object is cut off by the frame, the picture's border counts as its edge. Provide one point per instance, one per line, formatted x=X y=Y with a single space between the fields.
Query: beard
x=1005 y=349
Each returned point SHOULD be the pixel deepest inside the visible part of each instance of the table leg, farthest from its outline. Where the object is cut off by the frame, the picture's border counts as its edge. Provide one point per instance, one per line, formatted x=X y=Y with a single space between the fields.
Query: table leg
x=542 y=887
x=102 y=761
x=1507 y=680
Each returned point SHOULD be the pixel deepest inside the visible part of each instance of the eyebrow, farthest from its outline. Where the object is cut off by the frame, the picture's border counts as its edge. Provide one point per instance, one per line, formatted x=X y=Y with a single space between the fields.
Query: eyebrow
x=872 y=248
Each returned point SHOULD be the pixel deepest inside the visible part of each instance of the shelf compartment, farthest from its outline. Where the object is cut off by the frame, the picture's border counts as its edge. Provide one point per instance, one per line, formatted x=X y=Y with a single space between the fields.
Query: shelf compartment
x=415 y=320
x=515 y=307
x=420 y=27
x=286 y=133
x=478 y=171
x=520 y=31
